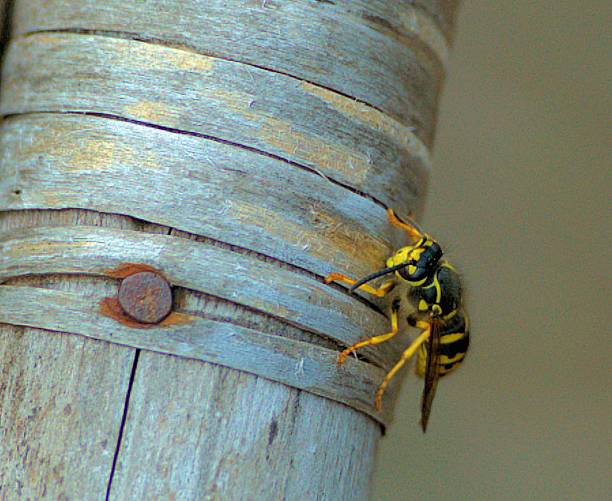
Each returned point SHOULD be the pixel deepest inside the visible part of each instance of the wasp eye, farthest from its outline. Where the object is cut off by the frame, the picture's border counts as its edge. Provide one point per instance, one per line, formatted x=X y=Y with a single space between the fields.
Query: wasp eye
x=404 y=273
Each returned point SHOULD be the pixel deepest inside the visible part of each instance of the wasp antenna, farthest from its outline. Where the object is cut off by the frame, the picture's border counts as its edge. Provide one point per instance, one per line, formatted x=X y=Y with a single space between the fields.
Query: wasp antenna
x=380 y=273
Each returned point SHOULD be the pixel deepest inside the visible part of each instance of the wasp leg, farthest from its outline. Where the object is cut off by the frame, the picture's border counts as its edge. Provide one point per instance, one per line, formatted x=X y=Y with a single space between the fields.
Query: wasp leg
x=408 y=228
x=378 y=292
x=376 y=339
x=409 y=352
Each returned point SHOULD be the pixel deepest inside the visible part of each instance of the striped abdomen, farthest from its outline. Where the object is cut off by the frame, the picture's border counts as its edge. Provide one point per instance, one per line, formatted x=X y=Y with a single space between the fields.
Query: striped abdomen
x=454 y=343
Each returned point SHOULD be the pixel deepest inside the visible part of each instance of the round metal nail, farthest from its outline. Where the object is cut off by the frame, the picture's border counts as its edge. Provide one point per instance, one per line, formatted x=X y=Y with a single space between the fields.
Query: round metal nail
x=146 y=297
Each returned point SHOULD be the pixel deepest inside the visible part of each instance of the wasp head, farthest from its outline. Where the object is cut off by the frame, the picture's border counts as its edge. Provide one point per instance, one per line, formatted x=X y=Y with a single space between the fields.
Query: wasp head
x=420 y=259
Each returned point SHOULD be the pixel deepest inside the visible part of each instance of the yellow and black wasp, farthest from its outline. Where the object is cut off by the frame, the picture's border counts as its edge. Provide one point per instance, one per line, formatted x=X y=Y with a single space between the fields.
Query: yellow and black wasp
x=432 y=288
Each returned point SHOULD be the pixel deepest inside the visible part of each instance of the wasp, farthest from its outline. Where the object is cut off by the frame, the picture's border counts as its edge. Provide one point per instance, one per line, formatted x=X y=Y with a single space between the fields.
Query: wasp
x=430 y=288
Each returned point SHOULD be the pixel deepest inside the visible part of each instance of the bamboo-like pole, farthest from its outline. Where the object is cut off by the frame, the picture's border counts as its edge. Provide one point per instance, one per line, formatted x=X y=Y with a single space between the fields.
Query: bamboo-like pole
x=242 y=150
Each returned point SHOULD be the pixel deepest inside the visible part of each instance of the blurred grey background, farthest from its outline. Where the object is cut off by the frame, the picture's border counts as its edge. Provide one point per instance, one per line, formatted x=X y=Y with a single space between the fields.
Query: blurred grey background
x=520 y=199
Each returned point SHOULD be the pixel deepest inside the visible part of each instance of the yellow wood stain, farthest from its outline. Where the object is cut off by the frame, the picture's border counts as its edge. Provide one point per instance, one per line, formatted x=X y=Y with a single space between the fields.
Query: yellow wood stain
x=84 y=144
x=238 y=102
x=158 y=57
x=314 y=150
x=50 y=198
x=43 y=38
x=190 y=61
x=45 y=248
x=151 y=111
x=373 y=118
x=92 y=155
x=114 y=153
x=352 y=241
x=298 y=146
x=323 y=233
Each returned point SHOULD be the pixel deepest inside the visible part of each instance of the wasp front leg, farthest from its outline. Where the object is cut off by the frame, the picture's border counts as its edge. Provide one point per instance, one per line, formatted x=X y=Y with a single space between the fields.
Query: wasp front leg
x=376 y=339
x=378 y=292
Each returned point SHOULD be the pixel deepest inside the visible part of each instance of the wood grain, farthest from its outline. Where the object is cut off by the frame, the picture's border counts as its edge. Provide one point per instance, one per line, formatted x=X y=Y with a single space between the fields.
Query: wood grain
x=338 y=45
x=144 y=439
x=268 y=112
x=202 y=187
x=297 y=298
x=294 y=363
x=274 y=130
x=286 y=453
x=61 y=404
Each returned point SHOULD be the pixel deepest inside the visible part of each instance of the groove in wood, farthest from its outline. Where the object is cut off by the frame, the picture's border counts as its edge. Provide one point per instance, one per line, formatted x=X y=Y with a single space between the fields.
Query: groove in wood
x=195 y=429
x=198 y=266
x=45 y=451
x=267 y=112
x=382 y=53
x=205 y=188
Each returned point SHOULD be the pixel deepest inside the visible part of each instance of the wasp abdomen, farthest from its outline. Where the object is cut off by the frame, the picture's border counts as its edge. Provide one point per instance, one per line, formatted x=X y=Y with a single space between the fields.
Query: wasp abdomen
x=454 y=344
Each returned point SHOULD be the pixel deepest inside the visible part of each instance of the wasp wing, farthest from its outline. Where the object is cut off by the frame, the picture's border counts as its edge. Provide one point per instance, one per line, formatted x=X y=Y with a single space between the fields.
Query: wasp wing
x=432 y=372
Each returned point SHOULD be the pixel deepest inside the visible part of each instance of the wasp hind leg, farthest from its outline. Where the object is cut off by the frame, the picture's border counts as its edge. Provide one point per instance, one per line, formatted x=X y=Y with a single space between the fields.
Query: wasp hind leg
x=376 y=339
x=408 y=353
x=378 y=292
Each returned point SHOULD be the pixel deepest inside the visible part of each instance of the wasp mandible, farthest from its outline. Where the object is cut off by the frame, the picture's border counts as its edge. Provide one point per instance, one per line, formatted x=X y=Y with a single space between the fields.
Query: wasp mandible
x=432 y=287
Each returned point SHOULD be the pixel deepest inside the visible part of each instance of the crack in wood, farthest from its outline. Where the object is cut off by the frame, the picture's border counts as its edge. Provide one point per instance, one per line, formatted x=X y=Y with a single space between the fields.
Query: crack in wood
x=136 y=37
x=110 y=116
x=122 y=425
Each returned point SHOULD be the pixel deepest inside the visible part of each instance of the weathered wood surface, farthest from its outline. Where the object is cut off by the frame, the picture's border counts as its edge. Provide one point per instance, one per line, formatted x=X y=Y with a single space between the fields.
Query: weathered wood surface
x=318 y=101
x=202 y=187
x=61 y=404
x=289 y=433
x=294 y=363
x=376 y=51
x=249 y=107
x=155 y=435
x=199 y=266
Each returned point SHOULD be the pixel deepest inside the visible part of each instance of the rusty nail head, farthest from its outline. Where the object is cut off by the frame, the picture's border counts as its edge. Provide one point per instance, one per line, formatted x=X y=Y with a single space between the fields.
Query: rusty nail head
x=146 y=297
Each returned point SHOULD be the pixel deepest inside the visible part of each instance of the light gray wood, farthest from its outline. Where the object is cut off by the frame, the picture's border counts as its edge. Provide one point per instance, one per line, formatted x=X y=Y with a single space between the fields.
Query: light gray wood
x=331 y=90
x=357 y=476
x=274 y=114
x=194 y=185
x=295 y=439
x=337 y=45
x=294 y=297
x=294 y=363
x=61 y=397
x=61 y=404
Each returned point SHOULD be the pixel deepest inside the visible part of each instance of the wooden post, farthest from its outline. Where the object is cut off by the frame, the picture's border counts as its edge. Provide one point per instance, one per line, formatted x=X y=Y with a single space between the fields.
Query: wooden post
x=244 y=150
